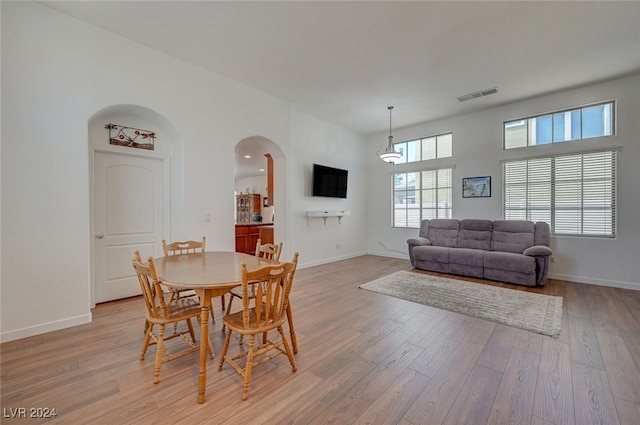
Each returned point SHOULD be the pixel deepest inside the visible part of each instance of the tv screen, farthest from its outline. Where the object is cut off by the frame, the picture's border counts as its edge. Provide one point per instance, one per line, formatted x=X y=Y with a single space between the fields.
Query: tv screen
x=329 y=182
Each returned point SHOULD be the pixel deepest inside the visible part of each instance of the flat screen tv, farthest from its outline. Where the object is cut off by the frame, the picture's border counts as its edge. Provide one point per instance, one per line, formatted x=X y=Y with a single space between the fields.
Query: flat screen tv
x=329 y=182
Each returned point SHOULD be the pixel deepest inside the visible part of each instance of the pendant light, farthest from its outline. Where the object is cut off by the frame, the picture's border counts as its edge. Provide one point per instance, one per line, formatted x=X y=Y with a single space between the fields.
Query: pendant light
x=390 y=155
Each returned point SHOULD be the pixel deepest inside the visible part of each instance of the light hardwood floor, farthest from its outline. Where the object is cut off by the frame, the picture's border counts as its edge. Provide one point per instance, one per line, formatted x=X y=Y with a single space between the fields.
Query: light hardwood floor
x=364 y=358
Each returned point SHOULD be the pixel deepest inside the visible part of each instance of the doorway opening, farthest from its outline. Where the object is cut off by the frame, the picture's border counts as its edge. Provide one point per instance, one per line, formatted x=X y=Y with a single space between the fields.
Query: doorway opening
x=259 y=193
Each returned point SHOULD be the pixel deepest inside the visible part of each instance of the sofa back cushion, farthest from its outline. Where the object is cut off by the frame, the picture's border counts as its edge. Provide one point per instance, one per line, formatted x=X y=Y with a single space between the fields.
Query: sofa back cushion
x=443 y=232
x=543 y=234
x=475 y=234
x=512 y=235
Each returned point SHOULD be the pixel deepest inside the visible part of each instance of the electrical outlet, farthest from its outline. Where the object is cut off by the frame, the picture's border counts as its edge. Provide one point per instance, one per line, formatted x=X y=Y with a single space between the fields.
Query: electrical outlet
x=552 y=259
x=338 y=246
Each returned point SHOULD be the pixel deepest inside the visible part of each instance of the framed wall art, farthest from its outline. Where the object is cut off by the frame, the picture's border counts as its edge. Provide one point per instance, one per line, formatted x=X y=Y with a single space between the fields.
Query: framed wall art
x=476 y=187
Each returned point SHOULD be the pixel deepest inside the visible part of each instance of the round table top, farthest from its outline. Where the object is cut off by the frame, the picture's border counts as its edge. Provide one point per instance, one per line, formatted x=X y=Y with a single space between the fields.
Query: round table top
x=211 y=270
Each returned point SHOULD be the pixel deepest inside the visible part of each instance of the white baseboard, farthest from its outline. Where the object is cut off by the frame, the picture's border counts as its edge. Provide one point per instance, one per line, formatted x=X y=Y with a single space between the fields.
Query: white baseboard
x=44 y=328
x=330 y=260
x=391 y=254
x=592 y=281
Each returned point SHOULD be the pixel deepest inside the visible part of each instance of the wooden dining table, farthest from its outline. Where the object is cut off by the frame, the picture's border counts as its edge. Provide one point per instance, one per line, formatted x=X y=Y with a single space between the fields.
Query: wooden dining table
x=209 y=274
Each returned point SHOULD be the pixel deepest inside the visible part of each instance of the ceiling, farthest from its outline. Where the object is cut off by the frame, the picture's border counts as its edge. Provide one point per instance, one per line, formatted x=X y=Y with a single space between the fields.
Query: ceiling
x=346 y=61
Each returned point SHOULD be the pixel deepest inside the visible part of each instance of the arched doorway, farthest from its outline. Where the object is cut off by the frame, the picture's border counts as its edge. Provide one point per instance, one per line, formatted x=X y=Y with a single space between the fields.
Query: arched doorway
x=252 y=175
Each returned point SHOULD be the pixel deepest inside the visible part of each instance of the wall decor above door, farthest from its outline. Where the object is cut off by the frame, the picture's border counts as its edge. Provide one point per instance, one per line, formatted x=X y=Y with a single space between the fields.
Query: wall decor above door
x=131 y=137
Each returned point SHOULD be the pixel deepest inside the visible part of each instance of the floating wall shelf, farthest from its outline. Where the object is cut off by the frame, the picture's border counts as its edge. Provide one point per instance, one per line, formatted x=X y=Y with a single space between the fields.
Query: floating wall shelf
x=326 y=214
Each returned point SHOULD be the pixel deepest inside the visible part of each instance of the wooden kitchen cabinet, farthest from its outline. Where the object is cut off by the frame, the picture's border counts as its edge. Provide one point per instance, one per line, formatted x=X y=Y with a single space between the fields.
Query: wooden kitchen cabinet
x=247 y=237
x=242 y=238
x=266 y=234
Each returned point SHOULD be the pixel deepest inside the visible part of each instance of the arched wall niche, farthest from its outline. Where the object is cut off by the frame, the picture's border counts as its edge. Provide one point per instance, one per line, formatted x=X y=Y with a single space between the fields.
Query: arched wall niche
x=168 y=146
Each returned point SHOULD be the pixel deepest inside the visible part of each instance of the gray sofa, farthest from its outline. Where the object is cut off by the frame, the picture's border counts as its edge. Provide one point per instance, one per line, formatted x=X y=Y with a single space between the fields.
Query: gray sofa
x=511 y=251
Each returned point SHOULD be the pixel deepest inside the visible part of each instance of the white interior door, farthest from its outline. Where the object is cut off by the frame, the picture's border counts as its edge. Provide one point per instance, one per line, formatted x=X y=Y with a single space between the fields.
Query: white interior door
x=129 y=203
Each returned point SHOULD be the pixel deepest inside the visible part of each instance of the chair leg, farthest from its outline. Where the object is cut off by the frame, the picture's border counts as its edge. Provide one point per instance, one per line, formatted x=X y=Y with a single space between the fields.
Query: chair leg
x=225 y=347
x=228 y=309
x=292 y=331
x=287 y=349
x=147 y=339
x=248 y=367
x=231 y=297
x=191 y=332
x=222 y=301
x=159 y=348
x=211 y=353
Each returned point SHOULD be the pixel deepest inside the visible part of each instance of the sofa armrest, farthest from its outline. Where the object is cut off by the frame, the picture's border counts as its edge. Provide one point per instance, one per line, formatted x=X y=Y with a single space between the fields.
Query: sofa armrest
x=537 y=250
x=413 y=242
x=418 y=241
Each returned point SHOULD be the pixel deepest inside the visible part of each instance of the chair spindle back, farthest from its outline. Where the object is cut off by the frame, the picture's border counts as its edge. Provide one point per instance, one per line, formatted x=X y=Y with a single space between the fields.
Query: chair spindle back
x=183 y=247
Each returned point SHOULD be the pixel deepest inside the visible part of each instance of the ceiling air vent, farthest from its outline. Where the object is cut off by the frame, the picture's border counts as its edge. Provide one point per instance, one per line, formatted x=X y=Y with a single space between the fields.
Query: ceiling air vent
x=477 y=94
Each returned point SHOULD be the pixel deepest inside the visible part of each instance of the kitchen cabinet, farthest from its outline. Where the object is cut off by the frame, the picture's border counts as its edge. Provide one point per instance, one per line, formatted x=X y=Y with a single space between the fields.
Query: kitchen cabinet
x=247 y=235
x=246 y=206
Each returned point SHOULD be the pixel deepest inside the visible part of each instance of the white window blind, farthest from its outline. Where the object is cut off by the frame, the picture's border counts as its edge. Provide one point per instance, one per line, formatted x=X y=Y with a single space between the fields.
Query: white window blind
x=575 y=194
x=422 y=195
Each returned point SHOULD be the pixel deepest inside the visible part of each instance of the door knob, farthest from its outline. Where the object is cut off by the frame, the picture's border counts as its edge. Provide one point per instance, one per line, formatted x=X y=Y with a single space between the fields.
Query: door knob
x=100 y=236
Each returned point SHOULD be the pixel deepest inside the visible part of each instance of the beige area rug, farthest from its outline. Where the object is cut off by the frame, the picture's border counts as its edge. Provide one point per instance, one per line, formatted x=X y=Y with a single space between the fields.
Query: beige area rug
x=525 y=310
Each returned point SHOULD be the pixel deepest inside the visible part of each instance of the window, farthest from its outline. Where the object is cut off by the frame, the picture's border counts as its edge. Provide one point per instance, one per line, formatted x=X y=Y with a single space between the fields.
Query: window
x=423 y=149
x=562 y=126
x=575 y=194
x=421 y=195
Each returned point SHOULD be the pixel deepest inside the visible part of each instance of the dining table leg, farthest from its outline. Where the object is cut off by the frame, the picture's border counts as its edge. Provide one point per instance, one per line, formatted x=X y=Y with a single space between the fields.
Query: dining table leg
x=205 y=303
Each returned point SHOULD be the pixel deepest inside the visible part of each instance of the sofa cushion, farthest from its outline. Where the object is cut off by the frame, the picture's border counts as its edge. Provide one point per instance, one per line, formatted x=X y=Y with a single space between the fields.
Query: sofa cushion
x=510 y=261
x=475 y=234
x=518 y=278
x=439 y=254
x=424 y=228
x=543 y=234
x=444 y=232
x=467 y=256
x=512 y=235
x=433 y=266
x=466 y=270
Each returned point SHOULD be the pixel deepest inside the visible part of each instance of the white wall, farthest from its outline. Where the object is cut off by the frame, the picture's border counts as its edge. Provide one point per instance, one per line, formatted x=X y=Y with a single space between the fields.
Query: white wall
x=477 y=151
x=316 y=142
x=57 y=73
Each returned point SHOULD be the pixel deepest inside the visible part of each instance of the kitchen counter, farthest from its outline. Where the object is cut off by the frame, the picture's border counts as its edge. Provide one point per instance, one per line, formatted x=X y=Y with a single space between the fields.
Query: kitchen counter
x=254 y=223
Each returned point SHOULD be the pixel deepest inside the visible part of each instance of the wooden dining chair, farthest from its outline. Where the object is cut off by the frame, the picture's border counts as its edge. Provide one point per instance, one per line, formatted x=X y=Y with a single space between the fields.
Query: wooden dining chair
x=187 y=247
x=268 y=251
x=269 y=313
x=183 y=247
x=161 y=313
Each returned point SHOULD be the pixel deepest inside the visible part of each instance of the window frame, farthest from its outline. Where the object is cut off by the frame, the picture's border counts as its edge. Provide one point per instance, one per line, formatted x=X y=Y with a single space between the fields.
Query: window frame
x=419 y=199
x=531 y=132
x=560 y=186
x=405 y=146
